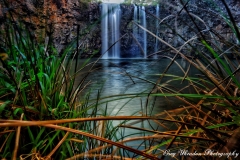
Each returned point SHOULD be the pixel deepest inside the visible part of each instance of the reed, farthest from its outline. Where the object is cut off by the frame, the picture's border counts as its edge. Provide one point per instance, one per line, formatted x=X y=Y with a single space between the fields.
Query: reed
x=46 y=114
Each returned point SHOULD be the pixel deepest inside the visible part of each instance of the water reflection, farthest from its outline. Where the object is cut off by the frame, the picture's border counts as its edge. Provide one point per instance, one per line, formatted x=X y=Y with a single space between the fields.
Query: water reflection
x=133 y=77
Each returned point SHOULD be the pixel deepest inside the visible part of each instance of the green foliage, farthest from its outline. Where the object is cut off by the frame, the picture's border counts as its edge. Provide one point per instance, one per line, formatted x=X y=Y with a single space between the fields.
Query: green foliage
x=38 y=86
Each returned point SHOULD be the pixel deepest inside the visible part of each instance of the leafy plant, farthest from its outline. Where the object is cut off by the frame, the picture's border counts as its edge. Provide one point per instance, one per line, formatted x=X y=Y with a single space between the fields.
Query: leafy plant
x=44 y=117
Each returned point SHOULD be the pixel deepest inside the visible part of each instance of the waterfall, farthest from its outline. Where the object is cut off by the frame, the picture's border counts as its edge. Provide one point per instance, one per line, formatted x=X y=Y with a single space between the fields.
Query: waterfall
x=135 y=19
x=144 y=31
x=157 y=23
x=140 y=35
x=110 y=27
x=156 y=47
x=135 y=29
x=104 y=29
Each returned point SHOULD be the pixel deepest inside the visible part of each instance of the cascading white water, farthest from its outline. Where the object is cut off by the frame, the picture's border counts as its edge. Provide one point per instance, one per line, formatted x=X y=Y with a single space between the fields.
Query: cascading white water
x=157 y=32
x=140 y=34
x=104 y=29
x=135 y=19
x=110 y=27
x=135 y=28
x=144 y=24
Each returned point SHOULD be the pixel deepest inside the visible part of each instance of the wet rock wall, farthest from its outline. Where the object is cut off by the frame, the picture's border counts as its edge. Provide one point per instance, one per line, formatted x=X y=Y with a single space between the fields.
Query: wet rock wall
x=59 y=20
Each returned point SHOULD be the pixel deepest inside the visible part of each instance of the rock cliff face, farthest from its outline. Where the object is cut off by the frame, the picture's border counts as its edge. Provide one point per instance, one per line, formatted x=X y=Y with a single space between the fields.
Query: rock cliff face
x=60 y=19
x=177 y=26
